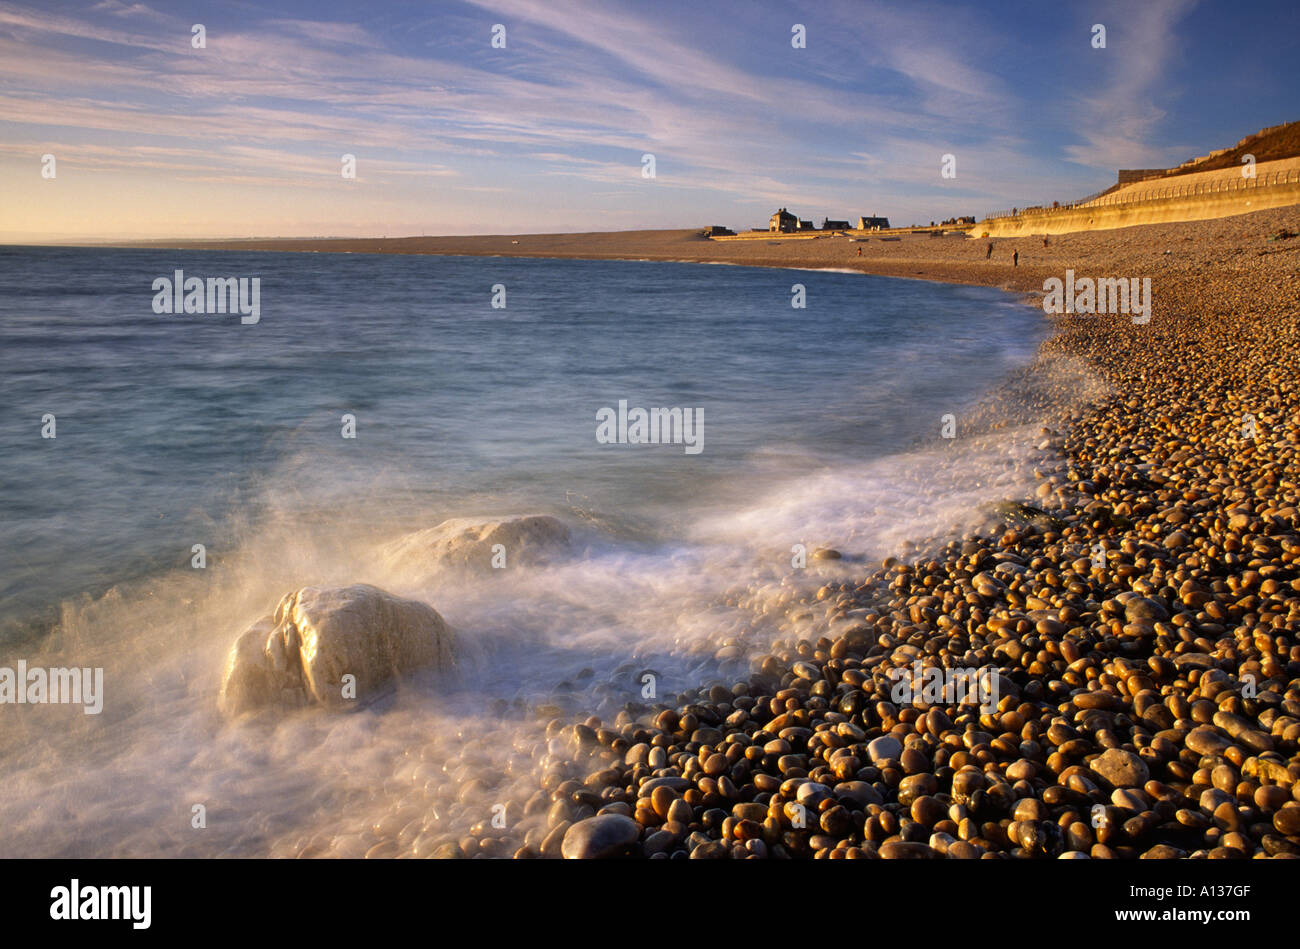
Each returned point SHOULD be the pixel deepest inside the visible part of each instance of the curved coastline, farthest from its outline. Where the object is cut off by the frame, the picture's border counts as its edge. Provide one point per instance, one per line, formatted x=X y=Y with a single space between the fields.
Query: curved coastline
x=1138 y=621
x=1148 y=701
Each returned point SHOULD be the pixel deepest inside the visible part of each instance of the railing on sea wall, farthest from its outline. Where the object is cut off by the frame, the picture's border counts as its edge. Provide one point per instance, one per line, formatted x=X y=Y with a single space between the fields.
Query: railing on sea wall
x=1194 y=189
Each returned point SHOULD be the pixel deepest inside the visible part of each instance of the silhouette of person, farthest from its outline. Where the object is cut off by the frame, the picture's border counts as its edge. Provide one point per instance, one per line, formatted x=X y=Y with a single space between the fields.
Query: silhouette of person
x=989 y=252
x=1015 y=258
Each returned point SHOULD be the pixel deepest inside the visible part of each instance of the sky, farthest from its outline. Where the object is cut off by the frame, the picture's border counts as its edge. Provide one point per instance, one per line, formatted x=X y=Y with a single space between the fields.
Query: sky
x=546 y=129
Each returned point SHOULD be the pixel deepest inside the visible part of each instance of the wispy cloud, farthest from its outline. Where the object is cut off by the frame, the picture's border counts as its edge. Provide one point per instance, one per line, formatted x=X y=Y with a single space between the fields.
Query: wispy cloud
x=1118 y=119
x=737 y=118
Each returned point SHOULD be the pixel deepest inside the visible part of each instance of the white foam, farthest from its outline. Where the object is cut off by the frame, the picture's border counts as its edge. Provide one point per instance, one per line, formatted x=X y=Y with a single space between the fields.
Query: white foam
x=126 y=782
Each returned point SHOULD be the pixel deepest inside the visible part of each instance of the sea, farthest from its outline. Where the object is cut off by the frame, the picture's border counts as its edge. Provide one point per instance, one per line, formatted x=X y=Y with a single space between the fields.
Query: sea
x=167 y=477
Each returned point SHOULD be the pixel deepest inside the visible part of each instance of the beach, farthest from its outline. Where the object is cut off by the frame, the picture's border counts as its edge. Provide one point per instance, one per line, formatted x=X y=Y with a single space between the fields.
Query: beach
x=384 y=425
x=1195 y=247
x=1102 y=664
x=1150 y=705
x=591 y=432
x=1150 y=701
x=1140 y=608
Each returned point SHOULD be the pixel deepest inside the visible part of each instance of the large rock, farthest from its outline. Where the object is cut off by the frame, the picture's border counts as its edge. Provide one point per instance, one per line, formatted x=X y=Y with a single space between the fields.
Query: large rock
x=472 y=543
x=300 y=654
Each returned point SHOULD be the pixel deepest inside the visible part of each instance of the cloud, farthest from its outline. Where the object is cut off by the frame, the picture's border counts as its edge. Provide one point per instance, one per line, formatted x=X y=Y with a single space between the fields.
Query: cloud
x=117 y=8
x=733 y=114
x=1118 y=122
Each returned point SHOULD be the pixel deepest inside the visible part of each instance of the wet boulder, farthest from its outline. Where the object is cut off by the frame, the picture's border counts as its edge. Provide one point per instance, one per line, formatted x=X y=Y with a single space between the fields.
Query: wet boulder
x=300 y=654
x=479 y=544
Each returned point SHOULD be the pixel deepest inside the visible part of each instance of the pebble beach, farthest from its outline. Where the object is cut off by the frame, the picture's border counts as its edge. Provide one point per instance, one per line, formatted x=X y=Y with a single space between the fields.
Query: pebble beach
x=1140 y=610
x=1134 y=615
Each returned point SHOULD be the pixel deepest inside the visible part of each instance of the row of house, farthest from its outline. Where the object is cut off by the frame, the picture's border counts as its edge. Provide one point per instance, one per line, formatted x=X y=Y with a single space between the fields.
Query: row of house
x=783 y=222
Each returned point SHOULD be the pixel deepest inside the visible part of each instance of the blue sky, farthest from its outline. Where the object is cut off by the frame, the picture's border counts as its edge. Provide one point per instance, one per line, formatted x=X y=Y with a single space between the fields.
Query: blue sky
x=244 y=137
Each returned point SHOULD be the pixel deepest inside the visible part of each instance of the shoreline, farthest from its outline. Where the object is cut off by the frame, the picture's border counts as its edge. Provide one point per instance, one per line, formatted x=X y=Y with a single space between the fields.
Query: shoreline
x=1137 y=619
x=1150 y=702
x=952 y=258
x=658 y=246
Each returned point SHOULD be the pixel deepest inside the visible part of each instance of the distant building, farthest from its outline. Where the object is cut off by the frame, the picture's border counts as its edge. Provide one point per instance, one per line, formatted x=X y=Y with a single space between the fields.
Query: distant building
x=782 y=222
x=806 y=225
x=829 y=225
x=873 y=223
x=717 y=230
x=959 y=221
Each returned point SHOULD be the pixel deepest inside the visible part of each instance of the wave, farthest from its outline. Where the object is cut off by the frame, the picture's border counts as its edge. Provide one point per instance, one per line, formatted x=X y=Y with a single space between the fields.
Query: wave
x=566 y=640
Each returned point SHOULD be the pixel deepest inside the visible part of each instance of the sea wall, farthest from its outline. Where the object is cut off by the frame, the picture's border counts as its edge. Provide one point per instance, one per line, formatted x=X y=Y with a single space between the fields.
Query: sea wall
x=1194 y=197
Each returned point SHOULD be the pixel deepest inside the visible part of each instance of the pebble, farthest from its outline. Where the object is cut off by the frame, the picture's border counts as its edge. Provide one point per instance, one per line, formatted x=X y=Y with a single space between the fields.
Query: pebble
x=600 y=837
x=1207 y=741
x=1121 y=769
x=884 y=748
x=906 y=850
x=1287 y=820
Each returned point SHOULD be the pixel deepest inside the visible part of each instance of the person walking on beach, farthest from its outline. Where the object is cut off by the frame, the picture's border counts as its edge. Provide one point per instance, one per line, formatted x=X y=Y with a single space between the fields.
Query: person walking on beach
x=859 y=251
x=1015 y=258
x=989 y=253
